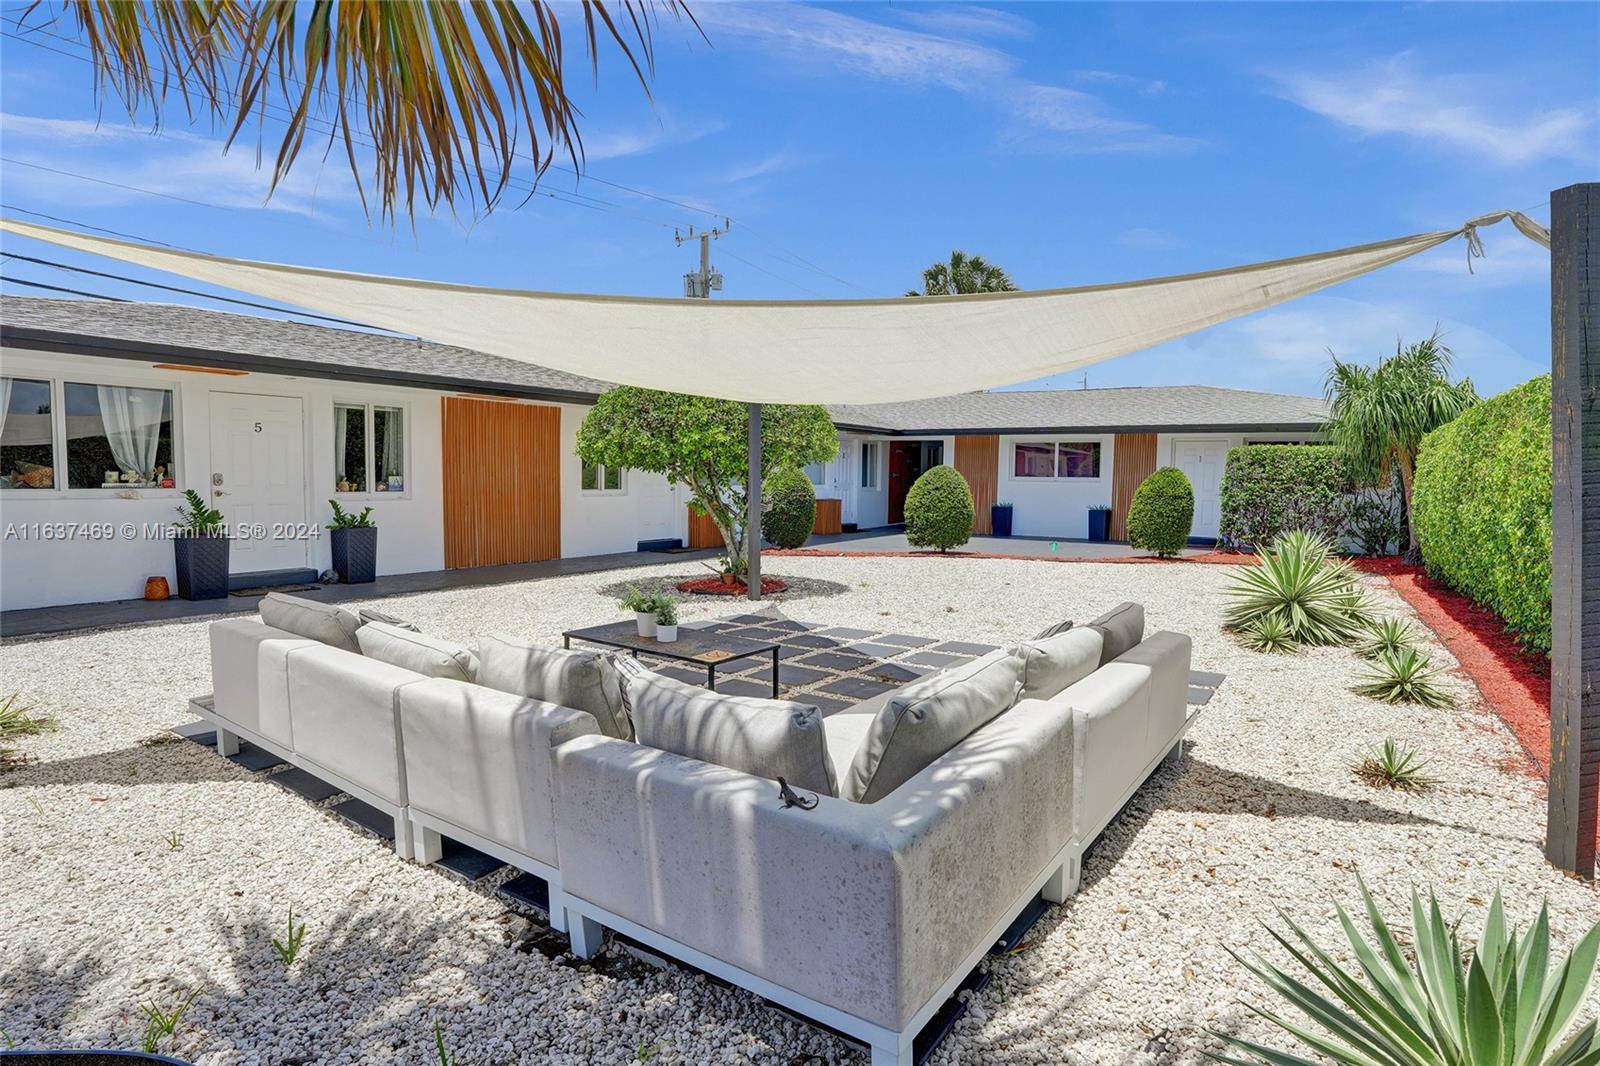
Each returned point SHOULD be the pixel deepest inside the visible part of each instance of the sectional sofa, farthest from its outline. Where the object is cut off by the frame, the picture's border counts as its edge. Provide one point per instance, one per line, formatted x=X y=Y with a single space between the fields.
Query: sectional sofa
x=907 y=832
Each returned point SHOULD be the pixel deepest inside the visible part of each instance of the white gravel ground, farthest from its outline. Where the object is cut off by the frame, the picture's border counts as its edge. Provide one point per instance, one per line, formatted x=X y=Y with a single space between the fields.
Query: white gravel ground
x=101 y=913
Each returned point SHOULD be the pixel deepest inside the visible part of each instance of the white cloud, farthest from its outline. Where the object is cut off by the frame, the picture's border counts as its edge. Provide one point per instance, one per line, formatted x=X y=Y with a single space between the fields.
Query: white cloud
x=757 y=168
x=1145 y=86
x=1461 y=111
x=961 y=20
x=666 y=132
x=1050 y=118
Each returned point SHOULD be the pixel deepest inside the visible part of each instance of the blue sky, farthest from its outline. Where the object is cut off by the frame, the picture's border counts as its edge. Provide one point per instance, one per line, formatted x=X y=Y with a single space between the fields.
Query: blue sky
x=854 y=144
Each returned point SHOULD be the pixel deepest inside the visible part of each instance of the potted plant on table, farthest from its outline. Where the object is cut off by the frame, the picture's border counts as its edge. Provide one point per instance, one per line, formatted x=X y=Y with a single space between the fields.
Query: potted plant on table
x=1100 y=522
x=643 y=608
x=200 y=550
x=355 y=545
x=1000 y=519
x=666 y=618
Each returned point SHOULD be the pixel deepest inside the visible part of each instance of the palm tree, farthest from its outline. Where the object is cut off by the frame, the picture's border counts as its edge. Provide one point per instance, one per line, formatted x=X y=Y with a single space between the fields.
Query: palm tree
x=442 y=95
x=1378 y=415
x=963 y=273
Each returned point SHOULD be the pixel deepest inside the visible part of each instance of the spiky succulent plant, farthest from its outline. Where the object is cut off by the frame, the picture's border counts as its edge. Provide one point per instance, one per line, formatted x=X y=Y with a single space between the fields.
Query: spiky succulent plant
x=1404 y=676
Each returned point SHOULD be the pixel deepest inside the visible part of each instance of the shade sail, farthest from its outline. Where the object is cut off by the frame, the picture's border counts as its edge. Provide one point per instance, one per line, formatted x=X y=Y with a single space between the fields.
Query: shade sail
x=804 y=351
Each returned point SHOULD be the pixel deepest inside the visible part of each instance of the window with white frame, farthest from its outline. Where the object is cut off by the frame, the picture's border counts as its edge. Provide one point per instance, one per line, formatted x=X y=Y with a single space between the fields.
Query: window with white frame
x=869 y=464
x=369 y=448
x=80 y=435
x=1056 y=459
x=597 y=477
x=817 y=472
x=27 y=435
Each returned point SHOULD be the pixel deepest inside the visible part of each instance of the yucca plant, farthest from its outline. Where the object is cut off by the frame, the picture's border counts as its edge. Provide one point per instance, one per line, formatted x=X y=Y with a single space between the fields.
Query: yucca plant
x=1500 y=1004
x=1404 y=676
x=1394 y=765
x=1298 y=581
x=1269 y=633
x=1386 y=635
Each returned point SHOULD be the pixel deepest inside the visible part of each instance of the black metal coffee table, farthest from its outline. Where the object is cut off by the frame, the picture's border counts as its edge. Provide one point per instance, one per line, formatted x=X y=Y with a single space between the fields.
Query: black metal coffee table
x=698 y=647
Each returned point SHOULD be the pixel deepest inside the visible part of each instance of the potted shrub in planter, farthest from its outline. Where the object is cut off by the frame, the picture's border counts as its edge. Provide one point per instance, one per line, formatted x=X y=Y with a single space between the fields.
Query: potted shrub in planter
x=355 y=545
x=200 y=550
x=643 y=608
x=1100 y=522
x=666 y=618
x=1000 y=519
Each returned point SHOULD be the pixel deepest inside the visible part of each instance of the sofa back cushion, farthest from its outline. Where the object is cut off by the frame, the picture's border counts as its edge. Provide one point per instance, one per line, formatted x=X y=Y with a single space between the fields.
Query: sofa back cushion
x=1051 y=664
x=766 y=738
x=927 y=718
x=1121 y=628
x=1055 y=630
x=368 y=614
x=581 y=680
x=428 y=656
x=326 y=622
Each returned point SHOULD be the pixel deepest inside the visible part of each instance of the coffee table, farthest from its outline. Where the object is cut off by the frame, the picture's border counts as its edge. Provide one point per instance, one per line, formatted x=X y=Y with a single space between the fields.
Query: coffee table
x=698 y=647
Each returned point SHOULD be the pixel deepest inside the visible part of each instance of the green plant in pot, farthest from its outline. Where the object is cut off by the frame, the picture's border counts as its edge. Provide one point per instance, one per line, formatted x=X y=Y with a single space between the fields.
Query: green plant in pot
x=200 y=549
x=644 y=610
x=666 y=618
x=354 y=544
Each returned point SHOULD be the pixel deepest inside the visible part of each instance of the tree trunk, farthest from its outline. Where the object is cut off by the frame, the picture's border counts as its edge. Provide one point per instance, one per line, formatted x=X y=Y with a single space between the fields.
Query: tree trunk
x=1413 y=552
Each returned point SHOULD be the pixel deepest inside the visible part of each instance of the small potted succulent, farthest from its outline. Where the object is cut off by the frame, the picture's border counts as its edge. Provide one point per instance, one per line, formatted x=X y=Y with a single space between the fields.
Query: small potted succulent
x=1000 y=519
x=200 y=550
x=666 y=618
x=354 y=540
x=643 y=608
x=1100 y=522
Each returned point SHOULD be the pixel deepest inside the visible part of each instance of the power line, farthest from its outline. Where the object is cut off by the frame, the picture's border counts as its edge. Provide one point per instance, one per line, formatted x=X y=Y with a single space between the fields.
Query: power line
x=103 y=181
x=85 y=225
x=58 y=288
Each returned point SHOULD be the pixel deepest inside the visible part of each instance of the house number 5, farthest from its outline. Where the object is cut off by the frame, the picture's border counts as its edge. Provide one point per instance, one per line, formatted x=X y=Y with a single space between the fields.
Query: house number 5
x=258 y=427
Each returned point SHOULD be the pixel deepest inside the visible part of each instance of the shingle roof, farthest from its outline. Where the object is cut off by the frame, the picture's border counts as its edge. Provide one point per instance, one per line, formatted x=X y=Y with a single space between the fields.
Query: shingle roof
x=175 y=333
x=144 y=330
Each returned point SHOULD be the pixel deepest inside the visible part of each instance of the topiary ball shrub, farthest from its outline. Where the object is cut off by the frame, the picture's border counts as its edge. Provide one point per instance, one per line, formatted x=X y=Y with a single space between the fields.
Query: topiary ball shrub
x=788 y=508
x=939 y=509
x=1162 y=513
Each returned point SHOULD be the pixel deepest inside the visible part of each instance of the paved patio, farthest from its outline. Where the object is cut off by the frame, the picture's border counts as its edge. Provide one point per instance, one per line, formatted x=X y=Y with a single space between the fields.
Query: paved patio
x=894 y=540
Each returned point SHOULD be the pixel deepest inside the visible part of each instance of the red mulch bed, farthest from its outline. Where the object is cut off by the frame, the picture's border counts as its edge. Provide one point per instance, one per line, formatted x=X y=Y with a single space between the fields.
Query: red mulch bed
x=713 y=586
x=1230 y=558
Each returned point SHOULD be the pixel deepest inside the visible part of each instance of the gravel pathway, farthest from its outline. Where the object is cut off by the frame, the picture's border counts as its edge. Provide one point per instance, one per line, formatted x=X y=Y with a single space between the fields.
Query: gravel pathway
x=106 y=909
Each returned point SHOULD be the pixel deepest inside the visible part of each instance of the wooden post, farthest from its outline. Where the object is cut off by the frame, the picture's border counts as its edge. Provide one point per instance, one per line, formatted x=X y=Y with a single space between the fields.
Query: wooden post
x=752 y=514
x=1575 y=416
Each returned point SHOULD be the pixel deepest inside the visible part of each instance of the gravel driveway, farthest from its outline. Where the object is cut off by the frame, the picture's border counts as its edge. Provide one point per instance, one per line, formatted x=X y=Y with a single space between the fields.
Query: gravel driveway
x=104 y=909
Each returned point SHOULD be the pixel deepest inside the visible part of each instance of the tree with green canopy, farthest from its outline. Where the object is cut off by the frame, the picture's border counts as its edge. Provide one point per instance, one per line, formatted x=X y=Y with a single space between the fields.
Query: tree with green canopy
x=963 y=274
x=1378 y=415
x=703 y=443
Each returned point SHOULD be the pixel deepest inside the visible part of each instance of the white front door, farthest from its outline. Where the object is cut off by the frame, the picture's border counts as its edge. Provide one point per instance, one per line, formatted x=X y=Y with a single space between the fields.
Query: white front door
x=258 y=479
x=1201 y=462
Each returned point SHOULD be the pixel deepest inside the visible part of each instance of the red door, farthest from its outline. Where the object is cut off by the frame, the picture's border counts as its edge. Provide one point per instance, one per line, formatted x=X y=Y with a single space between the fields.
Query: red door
x=902 y=472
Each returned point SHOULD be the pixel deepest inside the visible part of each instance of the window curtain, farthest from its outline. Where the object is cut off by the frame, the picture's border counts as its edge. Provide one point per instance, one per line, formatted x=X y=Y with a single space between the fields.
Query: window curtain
x=5 y=403
x=132 y=419
x=341 y=440
x=392 y=443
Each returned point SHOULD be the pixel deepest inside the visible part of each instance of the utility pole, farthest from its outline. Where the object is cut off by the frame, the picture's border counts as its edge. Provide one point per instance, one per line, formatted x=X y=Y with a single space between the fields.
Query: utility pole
x=699 y=286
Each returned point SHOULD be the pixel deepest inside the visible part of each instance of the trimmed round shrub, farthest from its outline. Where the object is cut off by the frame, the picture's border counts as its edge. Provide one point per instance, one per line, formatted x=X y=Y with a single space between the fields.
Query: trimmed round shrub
x=1482 y=507
x=1270 y=489
x=788 y=508
x=1162 y=512
x=939 y=509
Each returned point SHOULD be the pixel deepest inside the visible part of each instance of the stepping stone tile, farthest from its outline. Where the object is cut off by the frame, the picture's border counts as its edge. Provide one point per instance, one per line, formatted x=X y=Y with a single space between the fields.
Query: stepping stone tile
x=904 y=640
x=826 y=704
x=1199 y=696
x=857 y=688
x=846 y=633
x=936 y=658
x=834 y=660
x=304 y=785
x=686 y=674
x=741 y=686
x=367 y=817
x=253 y=758
x=810 y=640
x=788 y=626
x=961 y=647
x=875 y=651
x=468 y=862
x=790 y=674
x=753 y=619
x=205 y=740
x=527 y=890
x=894 y=673
x=1206 y=679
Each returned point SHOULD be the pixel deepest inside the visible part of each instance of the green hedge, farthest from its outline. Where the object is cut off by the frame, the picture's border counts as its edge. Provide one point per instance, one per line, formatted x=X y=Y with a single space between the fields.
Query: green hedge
x=1482 y=502
x=939 y=509
x=1268 y=489
x=789 y=509
x=1162 y=512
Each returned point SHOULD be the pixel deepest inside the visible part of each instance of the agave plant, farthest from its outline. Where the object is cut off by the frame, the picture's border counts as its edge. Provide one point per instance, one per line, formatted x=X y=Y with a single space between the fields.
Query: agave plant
x=1384 y=636
x=1404 y=676
x=1269 y=633
x=1500 y=1004
x=1298 y=581
x=1393 y=765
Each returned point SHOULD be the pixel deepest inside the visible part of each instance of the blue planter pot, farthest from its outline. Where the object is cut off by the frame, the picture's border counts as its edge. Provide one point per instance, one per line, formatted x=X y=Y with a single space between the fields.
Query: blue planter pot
x=355 y=554
x=202 y=567
x=1099 y=525
x=1000 y=519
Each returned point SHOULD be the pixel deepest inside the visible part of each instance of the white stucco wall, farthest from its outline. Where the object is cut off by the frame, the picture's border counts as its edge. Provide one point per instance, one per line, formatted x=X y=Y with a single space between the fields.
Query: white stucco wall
x=600 y=522
x=1053 y=507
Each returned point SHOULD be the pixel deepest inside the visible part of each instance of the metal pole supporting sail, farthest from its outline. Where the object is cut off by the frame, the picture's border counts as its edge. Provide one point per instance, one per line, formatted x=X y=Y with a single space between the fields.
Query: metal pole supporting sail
x=752 y=518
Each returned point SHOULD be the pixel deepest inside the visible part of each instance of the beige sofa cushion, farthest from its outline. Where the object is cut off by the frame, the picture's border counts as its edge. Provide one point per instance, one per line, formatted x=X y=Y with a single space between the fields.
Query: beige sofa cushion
x=1055 y=630
x=406 y=648
x=332 y=625
x=1122 y=628
x=581 y=680
x=766 y=738
x=927 y=718
x=369 y=614
x=1051 y=664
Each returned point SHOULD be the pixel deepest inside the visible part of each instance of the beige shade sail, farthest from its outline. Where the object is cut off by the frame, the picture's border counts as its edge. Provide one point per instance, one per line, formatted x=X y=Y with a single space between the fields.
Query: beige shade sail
x=804 y=351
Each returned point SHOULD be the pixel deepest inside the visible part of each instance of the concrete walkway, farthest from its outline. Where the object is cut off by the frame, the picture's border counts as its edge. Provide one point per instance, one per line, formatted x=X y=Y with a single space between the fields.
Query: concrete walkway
x=45 y=620
x=894 y=540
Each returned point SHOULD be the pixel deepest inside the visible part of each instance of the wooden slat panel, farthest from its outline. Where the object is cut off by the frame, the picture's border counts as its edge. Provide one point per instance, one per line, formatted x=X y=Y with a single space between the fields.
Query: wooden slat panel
x=502 y=482
x=830 y=517
x=1134 y=459
x=703 y=532
x=978 y=460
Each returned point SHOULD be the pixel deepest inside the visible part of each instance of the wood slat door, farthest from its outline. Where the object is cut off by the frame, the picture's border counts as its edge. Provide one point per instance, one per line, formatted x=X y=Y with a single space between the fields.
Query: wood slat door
x=978 y=460
x=703 y=532
x=829 y=517
x=502 y=482
x=1134 y=460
